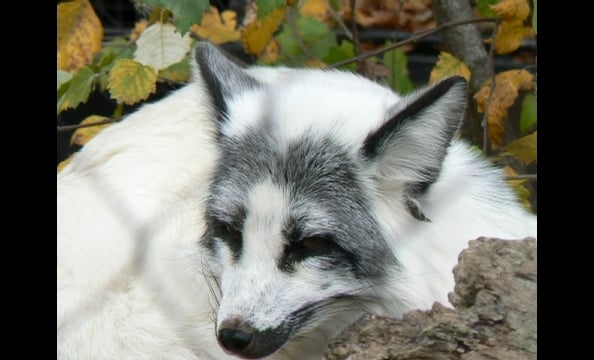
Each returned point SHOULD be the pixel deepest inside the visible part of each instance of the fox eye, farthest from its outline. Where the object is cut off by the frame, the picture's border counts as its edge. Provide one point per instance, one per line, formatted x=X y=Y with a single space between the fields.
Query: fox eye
x=322 y=246
x=314 y=243
x=313 y=246
x=230 y=235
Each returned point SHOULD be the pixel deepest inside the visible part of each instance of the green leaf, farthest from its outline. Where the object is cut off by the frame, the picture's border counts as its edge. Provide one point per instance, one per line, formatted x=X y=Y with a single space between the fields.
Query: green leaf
x=160 y=46
x=265 y=7
x=78 y=89
x=118 y=48
x=341 y=52
x=63 y=77
x=185 y=12
x=534 y=16
x=397 y=61
x=130 y=81
x=288 y=44
x=484 y=9
x=179 y=72
x=334 y=4
x=528 y=114
x=523 y=149
x=316 y=36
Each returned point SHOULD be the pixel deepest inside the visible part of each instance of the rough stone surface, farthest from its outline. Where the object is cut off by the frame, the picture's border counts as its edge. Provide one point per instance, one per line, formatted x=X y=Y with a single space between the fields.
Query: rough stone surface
x=494 y=315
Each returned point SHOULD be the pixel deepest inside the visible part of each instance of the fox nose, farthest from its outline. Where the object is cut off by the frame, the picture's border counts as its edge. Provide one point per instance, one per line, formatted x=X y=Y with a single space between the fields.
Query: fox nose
x=234 y=339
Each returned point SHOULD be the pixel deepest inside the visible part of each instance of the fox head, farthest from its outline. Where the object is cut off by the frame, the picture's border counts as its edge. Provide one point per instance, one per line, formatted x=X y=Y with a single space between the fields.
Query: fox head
x=293 y=240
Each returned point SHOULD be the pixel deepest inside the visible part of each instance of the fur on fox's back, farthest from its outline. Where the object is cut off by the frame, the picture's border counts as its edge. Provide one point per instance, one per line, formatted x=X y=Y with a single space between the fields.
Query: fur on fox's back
x=135 y=279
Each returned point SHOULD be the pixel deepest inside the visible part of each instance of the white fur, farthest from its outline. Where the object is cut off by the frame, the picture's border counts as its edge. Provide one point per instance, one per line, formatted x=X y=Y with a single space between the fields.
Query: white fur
x=130 y=204
x=467 y=207
x=292 y=114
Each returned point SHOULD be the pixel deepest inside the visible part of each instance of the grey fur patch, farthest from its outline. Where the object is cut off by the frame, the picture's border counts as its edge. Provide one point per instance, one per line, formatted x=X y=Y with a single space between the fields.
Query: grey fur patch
x=316 y=173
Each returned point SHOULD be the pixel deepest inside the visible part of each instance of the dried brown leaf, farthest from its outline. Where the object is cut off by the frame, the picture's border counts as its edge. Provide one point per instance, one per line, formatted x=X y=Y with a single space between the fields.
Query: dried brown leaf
x=507 y=85
x=510 y=35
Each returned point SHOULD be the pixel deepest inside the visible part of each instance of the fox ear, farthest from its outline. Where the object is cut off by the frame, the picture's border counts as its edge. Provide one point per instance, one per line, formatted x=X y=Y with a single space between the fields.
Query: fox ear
x=407 y=151
x=222 y=77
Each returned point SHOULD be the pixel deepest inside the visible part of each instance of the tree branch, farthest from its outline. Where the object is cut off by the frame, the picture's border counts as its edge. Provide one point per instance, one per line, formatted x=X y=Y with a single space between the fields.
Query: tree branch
x=466 y=43
x=531 y=177
x=293 y=27
x=96 y=123
x=485 y=121
x=336 y=17
x=412 y=39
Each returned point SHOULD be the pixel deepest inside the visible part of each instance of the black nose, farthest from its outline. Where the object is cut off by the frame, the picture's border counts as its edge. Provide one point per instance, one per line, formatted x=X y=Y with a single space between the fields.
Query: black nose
x=235 y=340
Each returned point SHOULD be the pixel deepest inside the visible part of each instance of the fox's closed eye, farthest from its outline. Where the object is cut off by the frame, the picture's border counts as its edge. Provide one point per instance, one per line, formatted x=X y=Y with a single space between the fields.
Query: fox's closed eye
x=313 y=243
x=227 y=231
x=313 y=246
x=231 y=235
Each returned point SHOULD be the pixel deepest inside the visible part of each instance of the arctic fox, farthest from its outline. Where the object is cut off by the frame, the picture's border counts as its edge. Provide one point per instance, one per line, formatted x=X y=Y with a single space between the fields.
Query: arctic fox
x=256 y=213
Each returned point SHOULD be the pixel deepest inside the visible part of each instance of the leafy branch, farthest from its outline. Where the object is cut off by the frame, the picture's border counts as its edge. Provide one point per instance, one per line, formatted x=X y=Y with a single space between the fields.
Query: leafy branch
x=311 y=33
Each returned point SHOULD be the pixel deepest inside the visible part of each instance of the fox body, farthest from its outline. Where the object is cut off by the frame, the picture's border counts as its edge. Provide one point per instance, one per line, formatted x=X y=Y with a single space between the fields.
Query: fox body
x=258 y=212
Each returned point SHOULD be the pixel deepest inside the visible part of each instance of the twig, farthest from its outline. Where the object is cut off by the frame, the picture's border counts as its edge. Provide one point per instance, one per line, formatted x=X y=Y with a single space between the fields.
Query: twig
x=339 y=21
x=355 y=30
x=485 y=121
x=96 y=123
x=412 y=39
x=521 y=177
x=296 y=35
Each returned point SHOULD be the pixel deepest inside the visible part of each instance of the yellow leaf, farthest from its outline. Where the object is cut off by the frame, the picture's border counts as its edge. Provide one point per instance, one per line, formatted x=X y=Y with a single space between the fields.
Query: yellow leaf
x=139 y=27
x=79 y=34
x=64 y=163
x=318 y=64
x=257 y=34
x=219 y=29
x=130 y=81
x=512 y=9
x=507 y=85
x=315 y=8
x=82 y=135
x=523 y=149
x=448 y=65
x=510 y=35
x=270 y=53
x=522 y=193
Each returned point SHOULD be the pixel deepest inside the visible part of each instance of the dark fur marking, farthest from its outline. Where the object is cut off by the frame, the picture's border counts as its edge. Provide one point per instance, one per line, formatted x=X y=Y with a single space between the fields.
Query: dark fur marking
x=383 y=140
x=314 y=172
x=375 y=141
x=223 y=78
x=414 y=209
